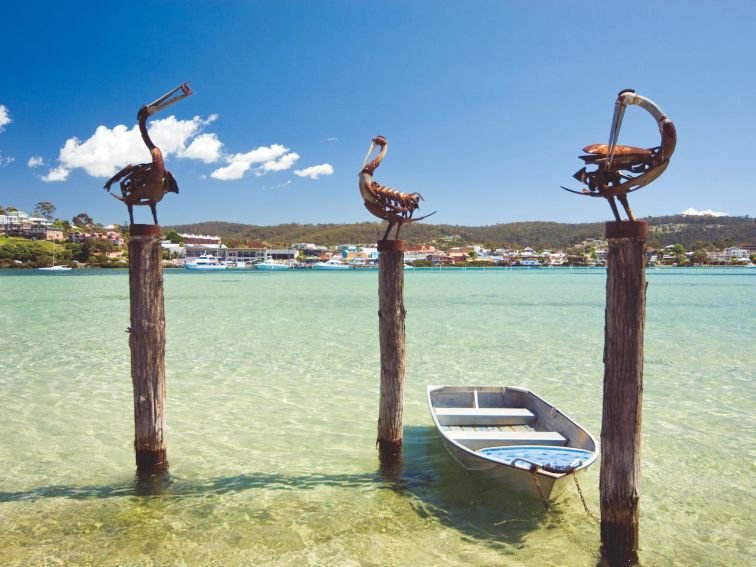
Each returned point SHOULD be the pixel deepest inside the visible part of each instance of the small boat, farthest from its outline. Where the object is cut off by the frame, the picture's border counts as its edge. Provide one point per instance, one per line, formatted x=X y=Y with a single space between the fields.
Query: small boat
x=334 y=263
x=271 y=264
x=511 y=436
x=55 y=268
x=205 y=262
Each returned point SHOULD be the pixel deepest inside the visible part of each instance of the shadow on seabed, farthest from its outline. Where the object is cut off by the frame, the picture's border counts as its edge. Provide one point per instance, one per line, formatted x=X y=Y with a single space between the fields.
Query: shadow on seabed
x=436 y=485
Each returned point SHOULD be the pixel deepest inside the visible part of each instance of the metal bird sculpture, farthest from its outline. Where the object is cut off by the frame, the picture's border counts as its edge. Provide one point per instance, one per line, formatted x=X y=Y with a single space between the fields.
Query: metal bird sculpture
x=147 y=183
x=623 y=169
x=388 y=204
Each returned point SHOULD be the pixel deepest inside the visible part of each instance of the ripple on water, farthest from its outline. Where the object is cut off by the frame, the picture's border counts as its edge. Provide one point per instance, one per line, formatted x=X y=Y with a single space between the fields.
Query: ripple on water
x=272 y=405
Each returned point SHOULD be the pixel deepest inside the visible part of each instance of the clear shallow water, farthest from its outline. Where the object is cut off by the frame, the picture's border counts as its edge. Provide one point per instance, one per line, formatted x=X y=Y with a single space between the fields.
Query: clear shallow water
x=272 y=385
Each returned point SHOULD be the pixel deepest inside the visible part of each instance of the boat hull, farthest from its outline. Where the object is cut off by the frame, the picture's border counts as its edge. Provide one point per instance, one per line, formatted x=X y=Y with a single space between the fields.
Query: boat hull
x=479 y=424
x=205 y=268
x=332 y=267
x=512 y=478
x=272 y=267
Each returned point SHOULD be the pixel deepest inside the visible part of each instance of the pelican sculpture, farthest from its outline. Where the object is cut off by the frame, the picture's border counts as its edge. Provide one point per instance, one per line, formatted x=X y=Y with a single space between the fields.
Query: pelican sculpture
x=147 y=183
x=623 y=169
x=388 y=204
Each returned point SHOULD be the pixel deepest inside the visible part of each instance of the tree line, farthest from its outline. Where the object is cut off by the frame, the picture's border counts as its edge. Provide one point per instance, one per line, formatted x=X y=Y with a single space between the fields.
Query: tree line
x=692 y=232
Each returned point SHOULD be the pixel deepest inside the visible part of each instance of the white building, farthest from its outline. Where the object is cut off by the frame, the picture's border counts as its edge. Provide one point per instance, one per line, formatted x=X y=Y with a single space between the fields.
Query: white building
x=731 y=254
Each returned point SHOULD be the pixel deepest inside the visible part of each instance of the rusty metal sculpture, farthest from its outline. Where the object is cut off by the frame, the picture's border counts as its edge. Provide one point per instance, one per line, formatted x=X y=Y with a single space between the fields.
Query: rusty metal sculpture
x=388 y=204
x=623 y=169
x=147 y=183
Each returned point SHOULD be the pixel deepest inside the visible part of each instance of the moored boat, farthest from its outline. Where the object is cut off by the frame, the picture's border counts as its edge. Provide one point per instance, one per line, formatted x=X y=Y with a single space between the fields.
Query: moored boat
x=334 y=263
x=511 y=436
x=205 y=262
x=55 y=267
x=270 y=264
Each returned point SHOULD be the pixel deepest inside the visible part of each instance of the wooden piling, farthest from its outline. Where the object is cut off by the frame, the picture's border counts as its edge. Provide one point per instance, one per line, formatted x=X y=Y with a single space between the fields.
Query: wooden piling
x=147 y=342
x=623 y=390
x=391 y=315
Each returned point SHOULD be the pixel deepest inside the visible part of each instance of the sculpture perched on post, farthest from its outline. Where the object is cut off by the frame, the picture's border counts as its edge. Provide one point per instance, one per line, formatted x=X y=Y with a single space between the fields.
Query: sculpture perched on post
x=388 y=204
x=623 y=169
x=397 y=208
x=620 y=170
x=147 y=183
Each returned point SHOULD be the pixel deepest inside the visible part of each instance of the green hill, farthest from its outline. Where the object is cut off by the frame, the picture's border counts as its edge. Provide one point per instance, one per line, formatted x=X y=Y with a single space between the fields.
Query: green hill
x=690 y=231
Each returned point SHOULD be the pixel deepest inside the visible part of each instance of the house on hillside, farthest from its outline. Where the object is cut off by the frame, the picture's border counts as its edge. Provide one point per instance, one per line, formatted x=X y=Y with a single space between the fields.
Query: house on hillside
x=21 y=225
x=731 y=254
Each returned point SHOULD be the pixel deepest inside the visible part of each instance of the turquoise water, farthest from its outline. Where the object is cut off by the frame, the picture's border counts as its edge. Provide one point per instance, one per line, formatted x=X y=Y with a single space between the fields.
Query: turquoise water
x=272 y=383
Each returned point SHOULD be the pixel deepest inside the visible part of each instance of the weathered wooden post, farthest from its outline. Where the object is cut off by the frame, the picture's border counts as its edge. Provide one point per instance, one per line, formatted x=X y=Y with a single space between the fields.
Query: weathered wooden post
x=623 y=389
x=397 y=208
x=620 y=170
x=147 y=343
x=147 y=184
x=391 y=315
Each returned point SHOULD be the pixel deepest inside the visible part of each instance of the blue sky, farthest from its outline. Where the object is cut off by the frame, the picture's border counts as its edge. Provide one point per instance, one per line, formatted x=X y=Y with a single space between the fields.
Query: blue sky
x=486 y=105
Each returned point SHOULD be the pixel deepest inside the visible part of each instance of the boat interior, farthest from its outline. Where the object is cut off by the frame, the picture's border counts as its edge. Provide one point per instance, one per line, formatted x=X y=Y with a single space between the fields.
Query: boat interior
x=482 y=417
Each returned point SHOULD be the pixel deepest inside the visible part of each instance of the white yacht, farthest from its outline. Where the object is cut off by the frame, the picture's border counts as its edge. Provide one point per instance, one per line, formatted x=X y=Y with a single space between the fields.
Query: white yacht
x=205 y=262
x=55 y=268
x=271 y=264
x=334 y=263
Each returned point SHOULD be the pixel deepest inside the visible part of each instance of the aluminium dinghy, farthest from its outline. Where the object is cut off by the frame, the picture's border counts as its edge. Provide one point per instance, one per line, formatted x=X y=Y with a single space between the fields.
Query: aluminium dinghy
x=511 y=436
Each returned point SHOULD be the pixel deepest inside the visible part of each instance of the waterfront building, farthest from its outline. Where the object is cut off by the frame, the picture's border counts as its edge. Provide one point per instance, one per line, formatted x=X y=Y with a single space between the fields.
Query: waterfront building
x=78 y=235
x=309 y=250
x=20 y=224
x=557 y=258
x=731 y=254
x=238 y=255
x=174 y=250
x=201 y=239
x=414 y=253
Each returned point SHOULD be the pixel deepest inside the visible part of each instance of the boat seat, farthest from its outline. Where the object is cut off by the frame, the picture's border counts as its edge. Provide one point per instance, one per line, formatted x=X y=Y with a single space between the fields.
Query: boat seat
x=484 y=416
x=481 y=439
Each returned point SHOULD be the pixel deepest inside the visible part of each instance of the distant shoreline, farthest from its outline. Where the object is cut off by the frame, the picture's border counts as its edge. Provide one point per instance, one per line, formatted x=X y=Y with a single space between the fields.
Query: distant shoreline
x=29 y=270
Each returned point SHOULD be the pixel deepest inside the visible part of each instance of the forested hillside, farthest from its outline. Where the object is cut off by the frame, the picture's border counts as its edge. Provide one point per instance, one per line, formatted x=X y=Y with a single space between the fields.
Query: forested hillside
x=690 y=231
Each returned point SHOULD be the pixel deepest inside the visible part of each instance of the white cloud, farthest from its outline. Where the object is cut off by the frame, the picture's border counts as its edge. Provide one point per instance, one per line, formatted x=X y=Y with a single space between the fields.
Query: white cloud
x=239 y=164
x=330 y=139
x=109 y=149
x=5 y=160
x=205 y=147
x=708 y=212
x=5 y=118
x=284 y=162
x=59 y=173
x=315 y=171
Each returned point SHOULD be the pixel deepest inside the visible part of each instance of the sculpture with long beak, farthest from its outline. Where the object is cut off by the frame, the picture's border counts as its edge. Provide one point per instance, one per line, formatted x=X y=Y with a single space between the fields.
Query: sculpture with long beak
x=623 y=169
x=388 y=204
x=147 y=183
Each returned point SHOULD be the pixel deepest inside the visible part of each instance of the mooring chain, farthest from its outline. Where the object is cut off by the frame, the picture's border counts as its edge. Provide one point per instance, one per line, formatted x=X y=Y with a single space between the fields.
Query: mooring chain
x=582 y=498
x=545 y=502
x=534 y=470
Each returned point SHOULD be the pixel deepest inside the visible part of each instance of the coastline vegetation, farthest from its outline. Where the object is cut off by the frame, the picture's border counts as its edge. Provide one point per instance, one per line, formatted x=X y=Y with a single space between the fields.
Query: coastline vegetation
x=692 y=232
x=685 y=239
x=25 y=253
